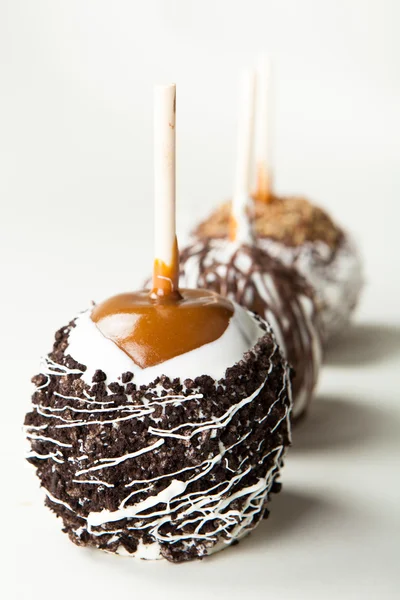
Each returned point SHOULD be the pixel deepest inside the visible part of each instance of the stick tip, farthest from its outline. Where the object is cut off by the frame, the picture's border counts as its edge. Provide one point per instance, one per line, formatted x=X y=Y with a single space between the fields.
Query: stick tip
x=165 y=86
x=165 y=92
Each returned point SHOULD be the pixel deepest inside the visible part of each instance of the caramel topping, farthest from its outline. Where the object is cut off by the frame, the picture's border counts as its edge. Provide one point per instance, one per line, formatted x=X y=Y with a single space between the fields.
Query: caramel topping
x=151 y=332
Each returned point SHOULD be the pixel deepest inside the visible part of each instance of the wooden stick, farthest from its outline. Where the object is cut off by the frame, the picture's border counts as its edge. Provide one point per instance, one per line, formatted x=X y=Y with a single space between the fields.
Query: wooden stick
x=166 y=256
x=263 y=144
x=239 y=224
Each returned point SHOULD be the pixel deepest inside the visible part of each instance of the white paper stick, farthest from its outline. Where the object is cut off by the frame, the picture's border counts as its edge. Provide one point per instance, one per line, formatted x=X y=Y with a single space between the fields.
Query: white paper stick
x=263 y=142
x=244 y=154
x=164 y=172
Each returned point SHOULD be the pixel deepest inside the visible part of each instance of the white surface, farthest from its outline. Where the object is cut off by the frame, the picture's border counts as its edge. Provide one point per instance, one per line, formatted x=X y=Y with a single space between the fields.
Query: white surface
x=76 y=83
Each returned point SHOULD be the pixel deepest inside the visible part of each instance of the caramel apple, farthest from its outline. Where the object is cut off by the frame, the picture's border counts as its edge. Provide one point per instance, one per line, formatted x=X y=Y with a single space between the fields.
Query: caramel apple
x=160 y=419
x=304 y=237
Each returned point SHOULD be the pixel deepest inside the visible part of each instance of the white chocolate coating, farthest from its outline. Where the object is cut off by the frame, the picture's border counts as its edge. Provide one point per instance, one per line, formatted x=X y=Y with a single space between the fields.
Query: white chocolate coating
x=336 y=277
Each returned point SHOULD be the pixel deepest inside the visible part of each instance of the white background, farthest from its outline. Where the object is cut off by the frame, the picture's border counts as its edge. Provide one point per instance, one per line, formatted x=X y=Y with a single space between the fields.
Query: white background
x=76 y=81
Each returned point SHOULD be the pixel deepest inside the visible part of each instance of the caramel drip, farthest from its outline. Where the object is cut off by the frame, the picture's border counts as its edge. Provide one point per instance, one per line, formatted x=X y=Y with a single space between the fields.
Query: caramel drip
x=233 y=227
x=263 y=191
x=151 y=332
x=166 y=277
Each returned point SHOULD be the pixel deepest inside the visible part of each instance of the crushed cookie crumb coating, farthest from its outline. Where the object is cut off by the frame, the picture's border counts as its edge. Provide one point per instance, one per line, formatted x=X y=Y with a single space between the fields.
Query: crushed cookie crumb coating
x=173 y=470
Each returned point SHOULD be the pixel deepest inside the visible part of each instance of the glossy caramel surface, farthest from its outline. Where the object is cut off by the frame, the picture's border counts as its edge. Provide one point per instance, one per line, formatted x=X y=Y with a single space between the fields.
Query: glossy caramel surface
x=152 y=330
